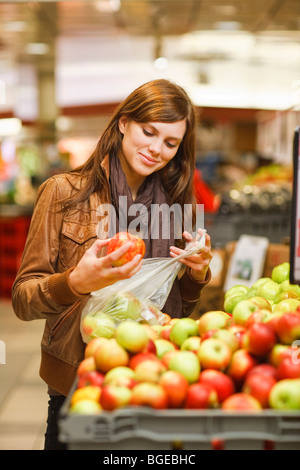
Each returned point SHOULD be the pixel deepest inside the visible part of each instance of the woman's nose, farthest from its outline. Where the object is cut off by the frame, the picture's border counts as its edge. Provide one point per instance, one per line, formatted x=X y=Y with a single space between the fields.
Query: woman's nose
x=155 y=147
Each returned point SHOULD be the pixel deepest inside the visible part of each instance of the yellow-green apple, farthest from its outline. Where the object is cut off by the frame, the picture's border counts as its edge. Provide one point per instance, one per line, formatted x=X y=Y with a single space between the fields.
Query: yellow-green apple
x=152 y=334
x=228 y=337
x=182 y=329
x=281 y=272
x=288 y=327
x=259 y=339
x=287 y=305
x=264 y=369
x=289 y=368
x=157 y=328
x=136 y=247
x=268 y=290
x=241 y=363
x=191 y=344
x=221 y=382
x=287 y=294
x=86 y=407
x=114 y=374
x=287 y=286
x=259 y=282
x=123 y=307
x=236 y=290
x=96 y=325
x=187 y=364
x=168 y=356
x=241 y=402
x=245 y=308
x=280 y=352
x=175 y=386
x=149 y=394
x=90 y=392
x=231 y=300
x=162 y=346
x=212 y=320
x=86 y=365
x=132 y=336
x=149 y=371
x=285 y=395
x=114 y=396
x=93 y=377
x=259 y=386
x=214 y=353
x=111 y=354
x=201 y=396
x=140 y=357
x=93 y=345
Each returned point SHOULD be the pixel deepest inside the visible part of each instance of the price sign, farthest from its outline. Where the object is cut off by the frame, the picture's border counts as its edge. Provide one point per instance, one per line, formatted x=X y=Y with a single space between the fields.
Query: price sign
x=295 y=219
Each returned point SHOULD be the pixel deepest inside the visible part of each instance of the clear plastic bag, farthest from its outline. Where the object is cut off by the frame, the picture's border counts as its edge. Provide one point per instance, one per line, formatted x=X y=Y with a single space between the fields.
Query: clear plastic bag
x=139 y=298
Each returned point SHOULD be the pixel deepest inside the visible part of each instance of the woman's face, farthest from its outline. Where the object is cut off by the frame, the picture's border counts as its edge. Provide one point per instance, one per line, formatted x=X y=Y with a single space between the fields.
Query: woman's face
x=148 y=147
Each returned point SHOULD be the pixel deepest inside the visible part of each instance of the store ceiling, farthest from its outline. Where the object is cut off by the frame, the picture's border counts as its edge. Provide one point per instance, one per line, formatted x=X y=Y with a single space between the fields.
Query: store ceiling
x=225 y=52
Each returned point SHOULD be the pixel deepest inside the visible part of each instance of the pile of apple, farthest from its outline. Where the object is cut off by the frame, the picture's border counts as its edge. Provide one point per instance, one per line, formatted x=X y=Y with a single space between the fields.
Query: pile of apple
x=244 y=359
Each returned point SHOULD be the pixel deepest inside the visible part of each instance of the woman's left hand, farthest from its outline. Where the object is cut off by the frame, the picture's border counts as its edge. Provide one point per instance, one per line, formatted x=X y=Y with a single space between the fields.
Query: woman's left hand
x=199 y=262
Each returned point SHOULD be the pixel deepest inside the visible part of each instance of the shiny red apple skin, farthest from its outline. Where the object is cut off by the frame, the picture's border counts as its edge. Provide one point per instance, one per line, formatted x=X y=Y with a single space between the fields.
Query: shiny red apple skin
x=137 y=247
x=221 y=382
x=241 y=363
x=175 y=386
x=289 y=368
x=149 y=394
x=259 y=386
x=259 y=339
x=92 y=377
x=288 y=327
x=201 y=396
x=264 y=369
x=241 y=402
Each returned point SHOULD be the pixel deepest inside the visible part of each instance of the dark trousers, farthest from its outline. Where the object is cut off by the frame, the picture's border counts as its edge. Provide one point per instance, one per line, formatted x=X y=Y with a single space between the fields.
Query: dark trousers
x=51 y=436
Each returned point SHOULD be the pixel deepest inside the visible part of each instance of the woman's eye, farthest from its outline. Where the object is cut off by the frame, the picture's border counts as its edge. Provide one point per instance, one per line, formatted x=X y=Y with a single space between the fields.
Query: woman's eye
x=148 y=133
x=171 y=146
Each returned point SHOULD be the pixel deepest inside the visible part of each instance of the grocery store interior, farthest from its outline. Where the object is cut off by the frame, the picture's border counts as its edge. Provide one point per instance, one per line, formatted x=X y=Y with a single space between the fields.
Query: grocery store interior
x=64 y=67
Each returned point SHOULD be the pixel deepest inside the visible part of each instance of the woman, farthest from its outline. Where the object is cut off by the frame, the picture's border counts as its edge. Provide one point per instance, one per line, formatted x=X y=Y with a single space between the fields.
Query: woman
x=147 y=155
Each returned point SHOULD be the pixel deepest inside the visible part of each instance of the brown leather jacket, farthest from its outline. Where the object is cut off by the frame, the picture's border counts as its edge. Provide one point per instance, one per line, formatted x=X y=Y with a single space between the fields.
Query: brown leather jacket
x=56 y=242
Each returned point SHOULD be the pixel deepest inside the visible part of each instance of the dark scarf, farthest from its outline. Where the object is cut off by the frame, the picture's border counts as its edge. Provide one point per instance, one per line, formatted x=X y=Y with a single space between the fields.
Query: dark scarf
x=151 y=192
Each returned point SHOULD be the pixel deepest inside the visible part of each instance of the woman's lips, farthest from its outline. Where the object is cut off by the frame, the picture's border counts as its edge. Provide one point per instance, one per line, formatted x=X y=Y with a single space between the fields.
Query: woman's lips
x=148 y=160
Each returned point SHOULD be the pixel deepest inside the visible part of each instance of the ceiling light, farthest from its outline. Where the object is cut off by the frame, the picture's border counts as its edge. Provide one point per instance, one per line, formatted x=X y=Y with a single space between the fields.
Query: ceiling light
x=106 y=6
x=227 y=25
x=10 y=126
x=37 y=48
x=161 y=63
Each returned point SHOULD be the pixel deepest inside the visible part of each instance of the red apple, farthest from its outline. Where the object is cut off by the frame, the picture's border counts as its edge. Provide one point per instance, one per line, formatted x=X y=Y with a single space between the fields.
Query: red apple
x=140 y=357
x=241 y=363
x=264 y=369
x=86 y=365
x=212 y=320
x=288 y=327
x=289 y=368
x=149 y=371
x=165 y=332
x=114 y=396
x=214 y=353
x=110 y=355
x=149 y=394
x=259 y=386
x=243 y=309
x=257 y=317
x=221 y=382
x=132 y=336
x=238 y=331
x=137 y=247
x=241 y=402
x=259 y=339
x=93 y=345
x=90 y=378
x=175 y=386
x=279 y=352
x=201 y=396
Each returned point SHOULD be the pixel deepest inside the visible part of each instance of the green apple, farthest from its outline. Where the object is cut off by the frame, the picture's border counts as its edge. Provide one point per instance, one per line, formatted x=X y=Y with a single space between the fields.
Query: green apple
x=182 y=329
x=245 y=308
x=121 y=371
x=231 y=300
x=287 y=294
x=287 y=286
x=287 y=305
x=268 y=290
x=238 y=289
x=124 y=306
x=191 y=344
x=214 y=353
x=281 y=272
x=163 y=346
x=228 y=337
x=132 y=336
x=187 y=364
x=96 y=325
x=260 y=282
x=212 y=320
x=285 y=395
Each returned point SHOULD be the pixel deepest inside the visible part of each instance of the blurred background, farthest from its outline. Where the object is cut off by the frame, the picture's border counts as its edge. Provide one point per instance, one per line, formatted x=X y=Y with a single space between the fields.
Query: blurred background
x=64 y=67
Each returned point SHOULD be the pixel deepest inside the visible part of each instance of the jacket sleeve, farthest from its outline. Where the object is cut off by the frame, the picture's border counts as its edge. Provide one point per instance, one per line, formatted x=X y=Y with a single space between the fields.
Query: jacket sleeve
x=191 y=291
x=38 y=290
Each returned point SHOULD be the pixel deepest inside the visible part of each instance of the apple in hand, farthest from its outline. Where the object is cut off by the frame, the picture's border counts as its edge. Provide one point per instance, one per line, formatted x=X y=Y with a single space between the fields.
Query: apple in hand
x=183 y=329
x=137 y=247
x=111 y=355
x=187 y=364
x=259 y=339
x=201 y=396
x=132 y=336
x=241 y=402
x=285 y=395
x=213 y=353
x=212 y=320
x=175 y=386
x=221 y=382
x=96 y=325
x=259 y=386
x=149 y=394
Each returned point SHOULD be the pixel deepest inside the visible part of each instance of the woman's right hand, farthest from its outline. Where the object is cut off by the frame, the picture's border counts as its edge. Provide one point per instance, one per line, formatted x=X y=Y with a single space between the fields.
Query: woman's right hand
x=93 y=273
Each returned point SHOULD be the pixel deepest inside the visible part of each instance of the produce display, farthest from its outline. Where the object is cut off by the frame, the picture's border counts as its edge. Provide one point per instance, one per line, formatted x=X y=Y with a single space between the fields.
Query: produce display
x=244 y=358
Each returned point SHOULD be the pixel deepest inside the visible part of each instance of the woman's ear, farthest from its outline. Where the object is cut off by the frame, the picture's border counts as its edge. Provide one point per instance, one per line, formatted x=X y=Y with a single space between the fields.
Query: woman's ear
x=122 y=124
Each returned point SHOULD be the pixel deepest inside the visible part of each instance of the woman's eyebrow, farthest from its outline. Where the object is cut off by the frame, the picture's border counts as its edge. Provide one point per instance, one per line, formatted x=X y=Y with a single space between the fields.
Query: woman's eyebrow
x=178 y=139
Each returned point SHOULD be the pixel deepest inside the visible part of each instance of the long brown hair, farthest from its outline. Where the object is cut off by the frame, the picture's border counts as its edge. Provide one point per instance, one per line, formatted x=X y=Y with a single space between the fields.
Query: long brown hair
x=155 y=101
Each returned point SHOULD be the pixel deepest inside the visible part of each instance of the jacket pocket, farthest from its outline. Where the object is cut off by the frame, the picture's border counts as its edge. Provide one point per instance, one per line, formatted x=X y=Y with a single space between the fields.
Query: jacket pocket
x=75 y=240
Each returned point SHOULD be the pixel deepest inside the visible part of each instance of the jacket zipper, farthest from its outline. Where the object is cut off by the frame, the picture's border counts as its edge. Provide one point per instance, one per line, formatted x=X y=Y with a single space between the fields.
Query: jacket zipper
x=62 y=320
